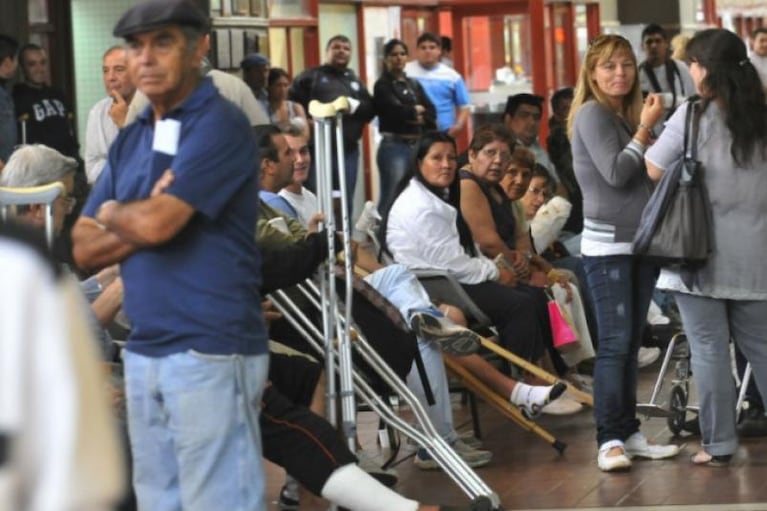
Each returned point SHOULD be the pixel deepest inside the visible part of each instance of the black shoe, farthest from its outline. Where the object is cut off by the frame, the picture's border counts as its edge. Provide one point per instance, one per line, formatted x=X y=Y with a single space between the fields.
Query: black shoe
x=753 y=423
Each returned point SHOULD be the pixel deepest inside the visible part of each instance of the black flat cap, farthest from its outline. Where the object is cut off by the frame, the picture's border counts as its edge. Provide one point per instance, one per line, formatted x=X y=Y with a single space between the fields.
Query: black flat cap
x=513 y=102
x=157 y=13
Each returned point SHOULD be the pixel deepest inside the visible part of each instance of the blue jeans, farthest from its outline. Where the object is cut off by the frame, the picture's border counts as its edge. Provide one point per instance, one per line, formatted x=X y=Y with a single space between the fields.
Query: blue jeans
x=402 y=289
x=621 y=287
x=394 y=158
x=195 y=438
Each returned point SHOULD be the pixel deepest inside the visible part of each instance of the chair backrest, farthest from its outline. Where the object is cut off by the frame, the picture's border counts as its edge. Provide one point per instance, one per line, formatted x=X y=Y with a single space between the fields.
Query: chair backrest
x=440 y=285
x=45 y=194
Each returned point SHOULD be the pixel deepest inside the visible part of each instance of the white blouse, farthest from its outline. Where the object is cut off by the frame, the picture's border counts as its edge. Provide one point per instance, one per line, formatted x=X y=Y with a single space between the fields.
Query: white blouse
x=421 y=234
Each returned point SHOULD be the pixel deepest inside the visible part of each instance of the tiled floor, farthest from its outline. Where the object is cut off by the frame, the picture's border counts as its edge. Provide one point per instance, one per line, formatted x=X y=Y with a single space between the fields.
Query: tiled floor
x=529 y=474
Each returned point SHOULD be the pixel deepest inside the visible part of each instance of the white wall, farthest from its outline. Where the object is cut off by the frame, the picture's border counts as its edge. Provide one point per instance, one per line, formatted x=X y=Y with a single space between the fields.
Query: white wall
x=337 y=19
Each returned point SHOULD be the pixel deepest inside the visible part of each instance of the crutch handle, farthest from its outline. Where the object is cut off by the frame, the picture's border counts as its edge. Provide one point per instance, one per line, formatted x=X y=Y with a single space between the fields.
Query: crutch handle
x=44 y=194
x=325 y=110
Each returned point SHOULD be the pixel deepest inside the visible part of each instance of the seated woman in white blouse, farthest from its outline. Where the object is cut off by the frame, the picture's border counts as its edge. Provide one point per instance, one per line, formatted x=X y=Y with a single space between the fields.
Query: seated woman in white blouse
x=424 y=229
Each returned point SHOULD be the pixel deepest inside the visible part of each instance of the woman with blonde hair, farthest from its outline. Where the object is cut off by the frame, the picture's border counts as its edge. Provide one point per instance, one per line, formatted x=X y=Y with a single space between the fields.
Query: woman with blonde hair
x=679 y=47
x=609 y=128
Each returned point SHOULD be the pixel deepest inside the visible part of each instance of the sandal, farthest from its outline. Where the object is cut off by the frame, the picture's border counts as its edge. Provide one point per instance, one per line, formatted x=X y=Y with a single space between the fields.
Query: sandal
x=704 y=458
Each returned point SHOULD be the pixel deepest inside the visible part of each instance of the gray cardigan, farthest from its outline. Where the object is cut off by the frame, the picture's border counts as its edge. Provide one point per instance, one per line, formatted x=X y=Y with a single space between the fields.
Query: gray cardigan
x=610 y=170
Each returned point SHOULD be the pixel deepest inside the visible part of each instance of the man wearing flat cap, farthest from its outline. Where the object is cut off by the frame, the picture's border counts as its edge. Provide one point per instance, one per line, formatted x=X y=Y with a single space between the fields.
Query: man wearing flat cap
x=196 y=358
x=255 y=71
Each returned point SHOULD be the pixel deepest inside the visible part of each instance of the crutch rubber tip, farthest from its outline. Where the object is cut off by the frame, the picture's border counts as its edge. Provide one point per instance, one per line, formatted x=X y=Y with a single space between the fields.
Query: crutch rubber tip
x=560 y=446
x=482 y=503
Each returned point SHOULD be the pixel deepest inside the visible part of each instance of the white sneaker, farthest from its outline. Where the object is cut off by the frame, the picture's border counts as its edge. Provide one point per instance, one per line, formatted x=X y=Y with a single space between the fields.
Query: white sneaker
x=612 y=463
x=647 y=356
x=637 y=446
x=564 y=405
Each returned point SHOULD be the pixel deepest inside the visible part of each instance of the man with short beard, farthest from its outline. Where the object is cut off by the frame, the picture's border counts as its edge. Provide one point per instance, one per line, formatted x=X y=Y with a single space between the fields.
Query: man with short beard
x=328 y=82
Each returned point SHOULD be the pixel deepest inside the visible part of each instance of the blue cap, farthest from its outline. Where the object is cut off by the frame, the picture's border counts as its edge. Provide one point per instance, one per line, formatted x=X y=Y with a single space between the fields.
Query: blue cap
x=153 y=14
x=253 y=60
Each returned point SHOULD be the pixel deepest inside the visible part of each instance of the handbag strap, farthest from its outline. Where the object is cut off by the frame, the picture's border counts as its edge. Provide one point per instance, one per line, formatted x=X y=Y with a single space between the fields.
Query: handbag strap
x=691 y=124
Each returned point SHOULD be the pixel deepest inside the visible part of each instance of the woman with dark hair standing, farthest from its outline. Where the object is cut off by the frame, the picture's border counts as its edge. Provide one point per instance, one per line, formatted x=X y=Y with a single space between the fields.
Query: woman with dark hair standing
x=404 y=112
x=610 y=128
x=283 y=112
x=728 y=296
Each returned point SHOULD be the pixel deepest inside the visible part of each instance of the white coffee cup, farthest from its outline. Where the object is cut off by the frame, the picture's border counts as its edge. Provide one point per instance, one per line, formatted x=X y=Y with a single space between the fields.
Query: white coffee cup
x=667 y=99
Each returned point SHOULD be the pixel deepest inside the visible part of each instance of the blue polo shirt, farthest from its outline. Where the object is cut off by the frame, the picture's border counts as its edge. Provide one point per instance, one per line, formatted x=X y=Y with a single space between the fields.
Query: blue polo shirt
x=200 y=290
x=445 y=88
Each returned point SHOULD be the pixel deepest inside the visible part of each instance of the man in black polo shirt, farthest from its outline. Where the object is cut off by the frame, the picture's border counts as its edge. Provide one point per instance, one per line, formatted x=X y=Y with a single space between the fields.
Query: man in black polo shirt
x=326 y=83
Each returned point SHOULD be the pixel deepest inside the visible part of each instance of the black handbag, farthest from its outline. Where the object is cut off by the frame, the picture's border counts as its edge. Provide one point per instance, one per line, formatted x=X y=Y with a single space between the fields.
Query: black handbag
x=674 y=227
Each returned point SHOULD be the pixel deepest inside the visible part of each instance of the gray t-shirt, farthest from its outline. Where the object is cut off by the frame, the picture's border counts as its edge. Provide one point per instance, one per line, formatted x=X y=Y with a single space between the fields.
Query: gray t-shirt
x=735 y=269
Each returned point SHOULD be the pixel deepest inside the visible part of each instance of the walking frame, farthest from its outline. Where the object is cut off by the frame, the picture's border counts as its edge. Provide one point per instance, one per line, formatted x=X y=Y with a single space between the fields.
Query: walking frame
x=338 y=335
x=677 y=409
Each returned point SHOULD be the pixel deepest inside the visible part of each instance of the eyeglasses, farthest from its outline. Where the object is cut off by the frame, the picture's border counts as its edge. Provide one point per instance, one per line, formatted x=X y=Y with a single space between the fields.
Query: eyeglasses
x=492 y=153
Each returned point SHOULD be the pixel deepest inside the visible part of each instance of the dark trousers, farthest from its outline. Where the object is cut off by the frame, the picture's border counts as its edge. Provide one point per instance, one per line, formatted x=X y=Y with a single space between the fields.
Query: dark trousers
x=517 y=314
x=304 y=444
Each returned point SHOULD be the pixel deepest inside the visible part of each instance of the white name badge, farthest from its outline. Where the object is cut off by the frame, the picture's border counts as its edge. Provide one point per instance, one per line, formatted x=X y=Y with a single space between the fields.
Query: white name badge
x=166 y=133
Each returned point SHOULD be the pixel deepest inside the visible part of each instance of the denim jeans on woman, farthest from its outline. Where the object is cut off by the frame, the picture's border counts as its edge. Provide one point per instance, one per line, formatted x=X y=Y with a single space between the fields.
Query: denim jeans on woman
x=621 y=288
x=710 y=323
x=394 y=158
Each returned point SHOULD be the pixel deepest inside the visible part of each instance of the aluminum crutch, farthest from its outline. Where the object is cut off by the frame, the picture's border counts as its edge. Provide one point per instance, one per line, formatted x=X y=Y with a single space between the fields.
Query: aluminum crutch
x=451 y=463
x=23 y=118
x=324 y=114
x=45 y=194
